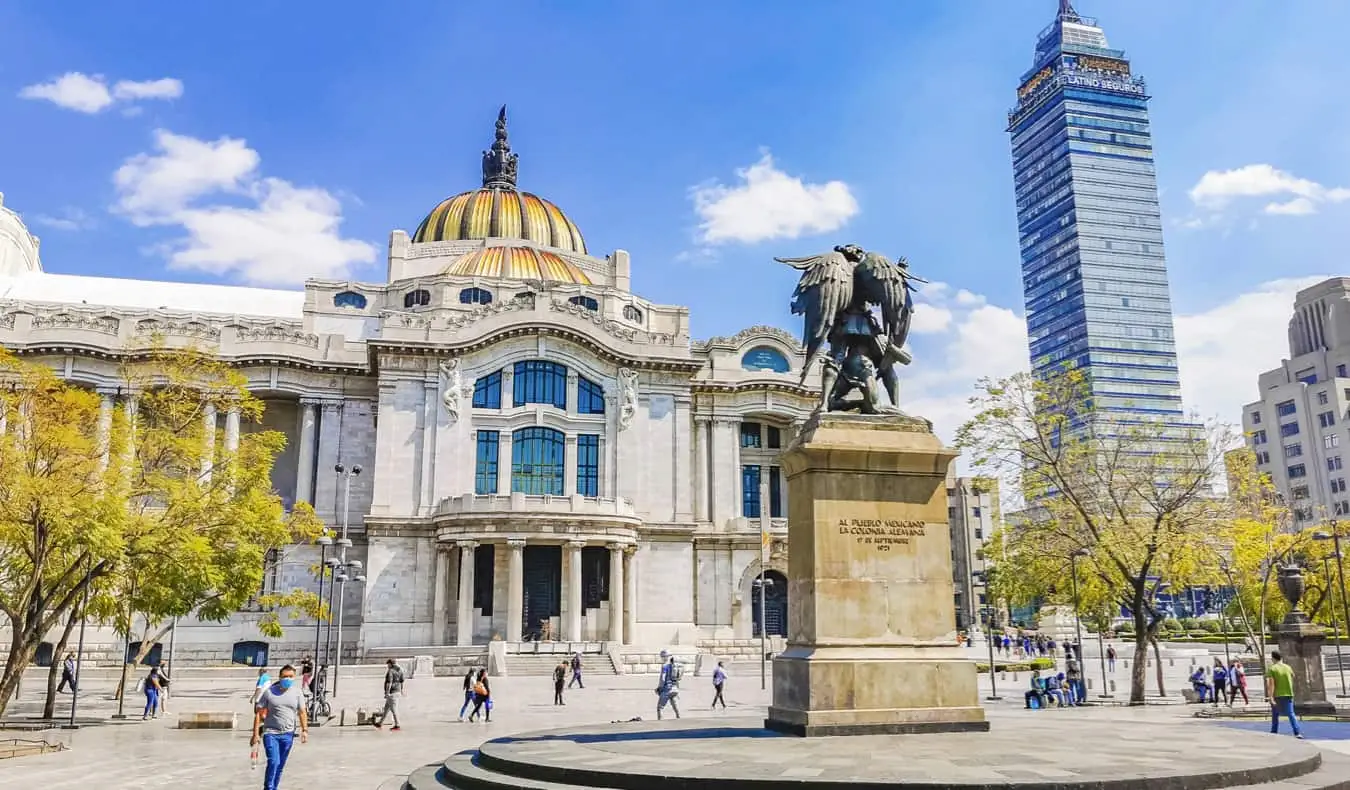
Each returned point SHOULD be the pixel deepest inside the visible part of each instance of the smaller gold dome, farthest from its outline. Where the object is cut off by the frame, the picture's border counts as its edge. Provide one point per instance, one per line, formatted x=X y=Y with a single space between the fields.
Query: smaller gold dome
x=518 y=263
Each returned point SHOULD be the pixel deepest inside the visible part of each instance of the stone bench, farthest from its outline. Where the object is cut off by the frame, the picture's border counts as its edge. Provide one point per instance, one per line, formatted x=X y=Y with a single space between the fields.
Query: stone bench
x=209 y=720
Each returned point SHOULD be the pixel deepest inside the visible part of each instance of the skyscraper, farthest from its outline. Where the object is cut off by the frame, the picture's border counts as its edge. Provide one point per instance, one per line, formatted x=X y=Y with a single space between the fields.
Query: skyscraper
x=1093 y=271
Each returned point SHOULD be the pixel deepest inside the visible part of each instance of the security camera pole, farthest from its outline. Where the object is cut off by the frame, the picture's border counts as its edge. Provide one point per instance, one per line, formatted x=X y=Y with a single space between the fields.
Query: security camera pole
x=343 y=543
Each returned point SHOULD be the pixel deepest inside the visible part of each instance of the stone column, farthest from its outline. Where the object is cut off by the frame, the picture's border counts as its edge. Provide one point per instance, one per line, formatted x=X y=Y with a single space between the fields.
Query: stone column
x=208 y=441
x=439 y=595
x=572 y=384
x=629 y=595
x=129 y=410
x=326 y=489
x=616 y=614
x=701 y=469
x=105 y=421
x=465 y=620
x=427 y=469
x=304 y=475
x=726 y=470
x=232 y=429
x=573 y=590
x=515 y=590
x=504 y=463
x=569 y=464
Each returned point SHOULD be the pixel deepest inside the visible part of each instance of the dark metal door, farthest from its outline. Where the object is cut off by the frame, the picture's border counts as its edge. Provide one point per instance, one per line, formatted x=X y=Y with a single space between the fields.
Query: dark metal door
x=543 y=588
x=775 y=605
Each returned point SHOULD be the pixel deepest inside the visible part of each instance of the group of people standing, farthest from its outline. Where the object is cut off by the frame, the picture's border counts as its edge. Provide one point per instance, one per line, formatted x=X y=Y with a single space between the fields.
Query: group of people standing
x=1220 y=683
x=1026 y=645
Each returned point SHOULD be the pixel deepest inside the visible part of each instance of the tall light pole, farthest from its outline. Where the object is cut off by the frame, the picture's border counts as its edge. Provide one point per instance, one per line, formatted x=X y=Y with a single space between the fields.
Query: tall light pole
x=1077 y=618
x=343 y=543
x=1326 y=564
x=334 y=571
x=323 y=542
x=79 y=649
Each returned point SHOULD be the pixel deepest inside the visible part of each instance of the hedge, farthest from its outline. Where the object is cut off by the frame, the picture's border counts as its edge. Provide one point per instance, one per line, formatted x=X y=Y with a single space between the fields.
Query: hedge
x=1020 y=666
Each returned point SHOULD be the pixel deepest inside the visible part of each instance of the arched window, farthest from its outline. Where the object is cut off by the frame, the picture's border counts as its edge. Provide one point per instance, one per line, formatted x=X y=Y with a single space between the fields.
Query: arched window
x=419 y=298
x=586 y=302
x=632 y=314
x=765 y=358
x=537 y=461
x=537 y=381
x=475 y=296
x=590 y=397
x=349 y=299
x=487 y=391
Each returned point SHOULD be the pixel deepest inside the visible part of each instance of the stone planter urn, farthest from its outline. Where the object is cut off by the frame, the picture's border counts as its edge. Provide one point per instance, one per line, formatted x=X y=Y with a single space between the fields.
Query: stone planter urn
x=1292 y=586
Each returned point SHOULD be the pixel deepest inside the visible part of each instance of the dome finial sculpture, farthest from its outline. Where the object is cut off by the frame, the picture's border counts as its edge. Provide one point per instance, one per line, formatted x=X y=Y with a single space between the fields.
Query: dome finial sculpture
x=499 y=164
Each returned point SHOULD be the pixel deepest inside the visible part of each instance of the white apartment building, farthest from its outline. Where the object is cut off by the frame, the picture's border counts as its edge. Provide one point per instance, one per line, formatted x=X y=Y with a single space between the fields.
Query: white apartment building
x=1298 y=427
x=971 y=515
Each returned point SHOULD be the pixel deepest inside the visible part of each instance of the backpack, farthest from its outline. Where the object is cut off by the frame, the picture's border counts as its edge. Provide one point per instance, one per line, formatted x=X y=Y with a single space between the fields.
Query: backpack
x=676 y=673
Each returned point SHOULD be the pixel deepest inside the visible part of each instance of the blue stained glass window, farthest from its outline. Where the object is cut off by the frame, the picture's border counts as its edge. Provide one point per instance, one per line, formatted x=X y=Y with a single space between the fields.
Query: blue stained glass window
x=485 y=471
x=750 y=491
x=586 y=302
x=775 y=492
x=350 y=299
x=765 y=358
x=537 y=461
x=475 y=296
x=588 y=464
x=537 y=381
x=590 y=397
x=487 y=391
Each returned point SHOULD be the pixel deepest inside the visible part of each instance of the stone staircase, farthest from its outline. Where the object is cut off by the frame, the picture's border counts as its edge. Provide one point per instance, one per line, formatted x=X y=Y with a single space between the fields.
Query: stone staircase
x=535 y=659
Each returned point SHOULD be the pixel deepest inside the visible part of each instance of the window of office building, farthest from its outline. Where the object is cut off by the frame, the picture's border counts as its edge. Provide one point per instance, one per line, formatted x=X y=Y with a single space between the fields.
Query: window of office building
x=1333 y=463
x=1285 y=409
x=1263 y=457
x=1256 y=418
x=1289 y=429
x=1322 y=398
x=1296 y=471
x=1331 y=440
x=1258 y=437
x=1293 y=450
x=1326 y=419
x=1340 y=371
x=1338 y=485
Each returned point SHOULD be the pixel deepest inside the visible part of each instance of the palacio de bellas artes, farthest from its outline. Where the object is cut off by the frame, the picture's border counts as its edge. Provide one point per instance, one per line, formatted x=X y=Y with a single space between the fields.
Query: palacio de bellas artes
x=531 y=455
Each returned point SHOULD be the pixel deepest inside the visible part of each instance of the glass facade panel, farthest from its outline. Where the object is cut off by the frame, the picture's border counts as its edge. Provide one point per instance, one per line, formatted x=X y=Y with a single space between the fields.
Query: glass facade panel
x=590 y=397
x=537 y=381
x=1090 y=228
x=487 y=391
x=588 y=464
x=485 y=468
x=775 y=492
x=750 y=491
x=537 y=461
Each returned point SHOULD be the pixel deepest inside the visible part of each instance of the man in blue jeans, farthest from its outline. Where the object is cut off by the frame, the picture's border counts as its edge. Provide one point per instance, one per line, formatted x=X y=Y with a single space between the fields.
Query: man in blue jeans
x=1280 y=692
x=279 y=710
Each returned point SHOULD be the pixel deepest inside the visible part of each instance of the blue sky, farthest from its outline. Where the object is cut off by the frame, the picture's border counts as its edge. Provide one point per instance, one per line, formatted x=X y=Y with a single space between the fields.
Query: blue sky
x=884 y=122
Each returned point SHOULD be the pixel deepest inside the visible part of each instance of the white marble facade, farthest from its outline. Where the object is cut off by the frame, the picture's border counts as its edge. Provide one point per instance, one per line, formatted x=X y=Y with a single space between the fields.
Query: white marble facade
x=635 y=533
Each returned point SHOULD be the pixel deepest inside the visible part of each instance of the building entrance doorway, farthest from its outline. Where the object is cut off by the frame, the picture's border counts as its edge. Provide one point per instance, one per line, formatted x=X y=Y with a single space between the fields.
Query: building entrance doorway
x=542 y=566
x=775 y=604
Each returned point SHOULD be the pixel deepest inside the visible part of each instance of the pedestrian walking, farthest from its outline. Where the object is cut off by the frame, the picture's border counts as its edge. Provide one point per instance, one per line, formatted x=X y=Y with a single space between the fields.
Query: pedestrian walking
x=559 y=678
x=1219 y=675
x=279 y=711
x=576 y=672
x=152 y=688
x=1237 y=682
x=1280 y=692
x=264 y=680
x=393 y=689
x=1075 y=675
x=163 y=686
x=1111 y=659
x=307 y=673
x=482 y=697
x=719 y=682
x=67 y=674
x=468 y=692
x=668 y=685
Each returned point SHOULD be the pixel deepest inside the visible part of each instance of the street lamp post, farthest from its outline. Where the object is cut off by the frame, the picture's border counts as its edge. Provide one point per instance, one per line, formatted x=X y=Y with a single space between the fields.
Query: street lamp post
x=764 y=582
x=351 y=572
x=324 y=542
x=1345 y=605
x=1077 y=619
x=343 y=543
x=79 y=648
x=334 y=571
x=1326 y=566
x=988 y=612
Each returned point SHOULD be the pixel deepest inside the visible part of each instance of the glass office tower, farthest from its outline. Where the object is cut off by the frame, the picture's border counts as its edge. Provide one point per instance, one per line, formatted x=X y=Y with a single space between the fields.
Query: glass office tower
x=1093 y=270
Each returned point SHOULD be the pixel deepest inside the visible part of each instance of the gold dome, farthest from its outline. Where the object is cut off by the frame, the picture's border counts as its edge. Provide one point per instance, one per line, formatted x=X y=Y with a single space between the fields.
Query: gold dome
x=518 y=263
x=498 y=210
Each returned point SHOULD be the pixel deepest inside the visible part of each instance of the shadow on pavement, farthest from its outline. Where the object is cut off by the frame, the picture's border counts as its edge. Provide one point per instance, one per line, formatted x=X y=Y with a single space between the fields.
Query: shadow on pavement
x=649 y=735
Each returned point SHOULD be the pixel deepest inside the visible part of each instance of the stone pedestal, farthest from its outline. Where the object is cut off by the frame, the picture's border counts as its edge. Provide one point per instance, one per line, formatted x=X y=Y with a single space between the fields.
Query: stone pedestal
x=871 y=626
x=1301 y=648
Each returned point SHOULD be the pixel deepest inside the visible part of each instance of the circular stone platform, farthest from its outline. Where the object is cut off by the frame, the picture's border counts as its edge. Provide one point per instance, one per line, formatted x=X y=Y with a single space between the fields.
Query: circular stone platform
x=1051 y=751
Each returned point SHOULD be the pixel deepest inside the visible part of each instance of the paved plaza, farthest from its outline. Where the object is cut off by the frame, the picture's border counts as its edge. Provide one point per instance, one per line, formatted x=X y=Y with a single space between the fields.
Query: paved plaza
x=123 y=756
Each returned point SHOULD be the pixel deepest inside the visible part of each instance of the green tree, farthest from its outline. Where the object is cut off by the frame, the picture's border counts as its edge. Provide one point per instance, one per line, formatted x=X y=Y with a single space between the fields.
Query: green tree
x=1129 y=499
x=151 y=505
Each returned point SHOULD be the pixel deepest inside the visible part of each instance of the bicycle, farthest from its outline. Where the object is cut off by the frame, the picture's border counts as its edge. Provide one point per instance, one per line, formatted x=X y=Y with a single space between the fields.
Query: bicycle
x=318 y=702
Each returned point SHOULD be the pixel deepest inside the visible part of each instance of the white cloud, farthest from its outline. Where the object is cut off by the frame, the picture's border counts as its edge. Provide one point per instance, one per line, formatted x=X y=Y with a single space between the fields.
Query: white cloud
x=930 y=318
x=69 y=219
x=166 y=88
x=1222 y=350
x=91 y=94
x=265 y=231
x=1296 y=206
x=769 y=204
x=1217 y=189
